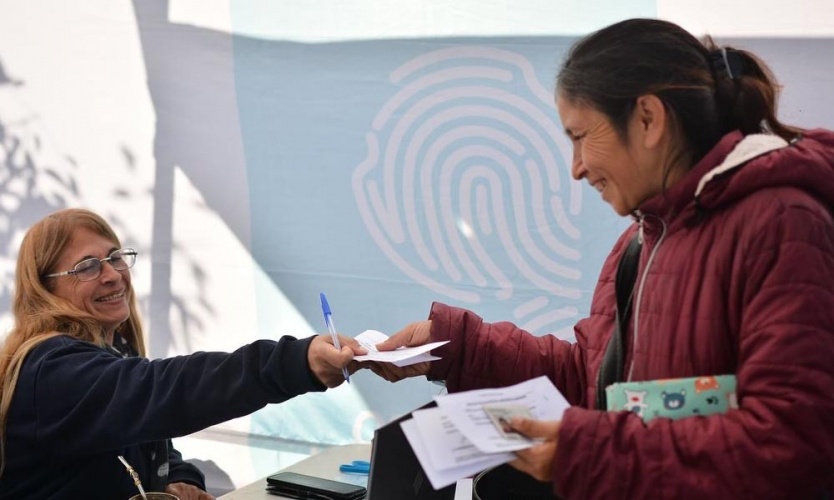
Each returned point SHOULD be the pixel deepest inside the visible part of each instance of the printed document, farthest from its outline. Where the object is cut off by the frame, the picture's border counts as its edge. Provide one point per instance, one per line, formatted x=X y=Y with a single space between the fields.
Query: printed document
x=466 y=411
x=465 y=433
x=437 y=477
x=447 y=447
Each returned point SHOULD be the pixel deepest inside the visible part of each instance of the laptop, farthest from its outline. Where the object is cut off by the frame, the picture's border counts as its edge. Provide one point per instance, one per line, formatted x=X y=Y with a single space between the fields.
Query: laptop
x=395 y=471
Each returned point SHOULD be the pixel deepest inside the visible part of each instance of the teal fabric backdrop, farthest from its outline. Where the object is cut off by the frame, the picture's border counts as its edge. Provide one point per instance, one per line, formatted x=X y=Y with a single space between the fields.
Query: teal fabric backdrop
x=392 y=173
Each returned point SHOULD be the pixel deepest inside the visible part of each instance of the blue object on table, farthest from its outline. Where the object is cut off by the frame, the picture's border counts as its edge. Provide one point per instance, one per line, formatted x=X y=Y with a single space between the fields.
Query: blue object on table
x=356 y=467
x=328 y=320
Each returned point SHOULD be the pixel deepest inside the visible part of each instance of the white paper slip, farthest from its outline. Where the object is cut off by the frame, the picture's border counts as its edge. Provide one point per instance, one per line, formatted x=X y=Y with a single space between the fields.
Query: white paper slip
x=403 y=356
x=443 y=478
x=463 y=489
x=466 y=411
x=446 y=446
x=416 y=359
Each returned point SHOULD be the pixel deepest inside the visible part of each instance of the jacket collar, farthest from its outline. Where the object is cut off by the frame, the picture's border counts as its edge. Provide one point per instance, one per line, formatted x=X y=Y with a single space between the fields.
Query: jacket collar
x=731 y=152
x=752 y=146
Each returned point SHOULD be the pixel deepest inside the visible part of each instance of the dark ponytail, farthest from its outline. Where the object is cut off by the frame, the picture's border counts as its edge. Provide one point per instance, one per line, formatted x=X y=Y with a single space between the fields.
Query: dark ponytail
x=746 y=92
x=708 y=92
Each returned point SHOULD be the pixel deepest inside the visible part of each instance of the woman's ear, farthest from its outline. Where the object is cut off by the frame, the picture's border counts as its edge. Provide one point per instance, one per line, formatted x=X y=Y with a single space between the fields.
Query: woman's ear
x=650 y=120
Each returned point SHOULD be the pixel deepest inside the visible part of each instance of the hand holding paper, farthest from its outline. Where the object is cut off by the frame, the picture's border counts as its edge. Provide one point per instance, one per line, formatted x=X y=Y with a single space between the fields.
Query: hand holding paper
x=464 y=434
x=403 y=356
x=467 y=411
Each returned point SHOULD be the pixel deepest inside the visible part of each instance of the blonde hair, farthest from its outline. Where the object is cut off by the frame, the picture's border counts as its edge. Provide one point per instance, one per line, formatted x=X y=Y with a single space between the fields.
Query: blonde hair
x=39 y=314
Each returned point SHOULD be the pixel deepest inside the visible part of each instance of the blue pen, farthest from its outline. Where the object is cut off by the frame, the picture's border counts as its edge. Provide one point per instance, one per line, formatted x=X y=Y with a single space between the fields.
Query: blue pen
x=328 y=320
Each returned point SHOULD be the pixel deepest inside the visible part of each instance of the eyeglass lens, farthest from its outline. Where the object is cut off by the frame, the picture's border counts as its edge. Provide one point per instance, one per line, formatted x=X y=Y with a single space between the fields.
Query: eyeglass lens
x=90 y=269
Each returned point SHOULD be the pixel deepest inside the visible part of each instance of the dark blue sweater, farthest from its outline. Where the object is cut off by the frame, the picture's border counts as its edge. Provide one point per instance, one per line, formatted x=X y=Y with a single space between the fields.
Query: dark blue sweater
x=77 y=407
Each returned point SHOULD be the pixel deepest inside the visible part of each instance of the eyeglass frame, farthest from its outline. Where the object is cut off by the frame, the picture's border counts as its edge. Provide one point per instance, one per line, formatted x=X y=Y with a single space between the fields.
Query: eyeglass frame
x=109 y=259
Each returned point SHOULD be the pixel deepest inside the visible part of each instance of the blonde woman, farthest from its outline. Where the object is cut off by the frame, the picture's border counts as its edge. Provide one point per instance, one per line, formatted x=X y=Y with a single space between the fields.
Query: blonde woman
x=78 y=391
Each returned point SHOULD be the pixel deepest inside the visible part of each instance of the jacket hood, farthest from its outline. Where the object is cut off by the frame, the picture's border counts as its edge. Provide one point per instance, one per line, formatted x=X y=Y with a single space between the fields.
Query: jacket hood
x=739 y=165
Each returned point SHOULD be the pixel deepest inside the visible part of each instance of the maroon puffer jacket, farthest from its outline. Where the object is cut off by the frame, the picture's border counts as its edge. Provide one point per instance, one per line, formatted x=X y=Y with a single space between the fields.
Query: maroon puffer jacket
x=736 y=276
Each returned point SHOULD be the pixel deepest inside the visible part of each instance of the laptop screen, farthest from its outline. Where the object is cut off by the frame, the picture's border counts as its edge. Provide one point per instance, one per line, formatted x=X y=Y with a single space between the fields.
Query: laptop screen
x=395 y=471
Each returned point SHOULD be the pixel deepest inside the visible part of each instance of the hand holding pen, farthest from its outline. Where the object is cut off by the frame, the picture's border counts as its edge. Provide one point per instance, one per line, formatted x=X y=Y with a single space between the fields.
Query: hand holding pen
x=328 y=320
x=327 y=363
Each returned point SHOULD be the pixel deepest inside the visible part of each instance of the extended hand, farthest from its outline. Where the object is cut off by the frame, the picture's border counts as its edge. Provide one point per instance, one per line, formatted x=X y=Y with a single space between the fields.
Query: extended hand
x=414 y=334
x=538 y=460
x=185 y=491
x=326 y=362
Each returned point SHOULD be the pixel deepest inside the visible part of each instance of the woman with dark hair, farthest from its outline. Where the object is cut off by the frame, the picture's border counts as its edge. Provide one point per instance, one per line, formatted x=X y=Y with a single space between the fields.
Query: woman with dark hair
x=735 y=241
x=78 y=393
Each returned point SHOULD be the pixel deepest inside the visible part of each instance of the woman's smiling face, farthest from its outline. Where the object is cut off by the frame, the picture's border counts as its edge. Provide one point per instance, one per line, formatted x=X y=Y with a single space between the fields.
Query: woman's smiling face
x=618 y=170
x=107 y=297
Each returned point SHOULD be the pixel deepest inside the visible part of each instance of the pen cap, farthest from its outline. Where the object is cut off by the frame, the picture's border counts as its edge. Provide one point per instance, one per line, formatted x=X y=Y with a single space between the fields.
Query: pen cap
x=325 y=307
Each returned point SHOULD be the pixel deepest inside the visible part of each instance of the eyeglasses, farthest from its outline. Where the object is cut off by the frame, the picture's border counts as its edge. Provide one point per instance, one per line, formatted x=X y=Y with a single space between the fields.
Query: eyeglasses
x=90 y=269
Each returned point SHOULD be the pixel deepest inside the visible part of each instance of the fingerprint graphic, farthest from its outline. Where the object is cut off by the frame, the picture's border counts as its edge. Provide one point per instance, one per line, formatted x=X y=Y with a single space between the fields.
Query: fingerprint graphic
x=465 y=186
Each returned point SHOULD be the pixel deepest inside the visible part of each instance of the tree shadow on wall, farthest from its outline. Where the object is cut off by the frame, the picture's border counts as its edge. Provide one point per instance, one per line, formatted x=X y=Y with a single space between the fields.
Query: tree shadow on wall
x=35 y=181
x=190 y=81
x=29 y=189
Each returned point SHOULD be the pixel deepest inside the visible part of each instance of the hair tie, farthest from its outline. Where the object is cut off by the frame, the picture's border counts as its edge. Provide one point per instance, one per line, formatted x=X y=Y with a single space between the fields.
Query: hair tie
x=726 y=63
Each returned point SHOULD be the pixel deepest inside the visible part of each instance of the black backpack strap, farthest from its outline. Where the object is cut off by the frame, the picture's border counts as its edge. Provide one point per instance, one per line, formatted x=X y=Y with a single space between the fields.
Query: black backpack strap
x=611 y=370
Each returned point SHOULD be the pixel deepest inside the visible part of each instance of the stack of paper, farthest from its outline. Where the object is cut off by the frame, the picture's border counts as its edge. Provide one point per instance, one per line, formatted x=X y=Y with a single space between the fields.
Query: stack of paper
x=403 y=356
x=463 y=435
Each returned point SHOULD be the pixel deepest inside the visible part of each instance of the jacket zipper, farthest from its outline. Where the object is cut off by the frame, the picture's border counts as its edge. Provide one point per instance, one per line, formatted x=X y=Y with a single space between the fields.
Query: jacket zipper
x=636 y=306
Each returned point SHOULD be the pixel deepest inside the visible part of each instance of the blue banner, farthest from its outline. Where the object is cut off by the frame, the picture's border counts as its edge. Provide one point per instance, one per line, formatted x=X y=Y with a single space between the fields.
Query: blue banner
x=392 y=173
